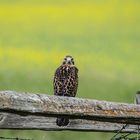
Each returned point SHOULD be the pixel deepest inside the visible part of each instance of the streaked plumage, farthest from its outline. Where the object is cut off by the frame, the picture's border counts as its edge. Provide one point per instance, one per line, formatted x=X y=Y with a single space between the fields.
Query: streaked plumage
x=66 y=83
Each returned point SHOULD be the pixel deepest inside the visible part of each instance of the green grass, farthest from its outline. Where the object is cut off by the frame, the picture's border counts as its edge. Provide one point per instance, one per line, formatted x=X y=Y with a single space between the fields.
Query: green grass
x=103 y=37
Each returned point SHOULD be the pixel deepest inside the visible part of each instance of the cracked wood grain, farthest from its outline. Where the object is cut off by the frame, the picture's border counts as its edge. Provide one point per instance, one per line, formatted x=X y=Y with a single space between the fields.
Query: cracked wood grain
x=75 y=108
x=32 y=122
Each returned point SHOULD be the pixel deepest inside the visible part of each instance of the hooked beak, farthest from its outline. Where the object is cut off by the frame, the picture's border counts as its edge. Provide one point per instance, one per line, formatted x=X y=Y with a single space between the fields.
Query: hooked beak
x=69 y=62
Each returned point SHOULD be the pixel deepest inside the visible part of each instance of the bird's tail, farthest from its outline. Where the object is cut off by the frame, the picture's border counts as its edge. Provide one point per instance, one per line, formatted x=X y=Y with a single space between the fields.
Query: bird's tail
x=62 y=121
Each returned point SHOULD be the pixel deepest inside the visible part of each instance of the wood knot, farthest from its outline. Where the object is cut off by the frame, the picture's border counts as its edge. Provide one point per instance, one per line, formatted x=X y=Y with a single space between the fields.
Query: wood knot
x=99 y=107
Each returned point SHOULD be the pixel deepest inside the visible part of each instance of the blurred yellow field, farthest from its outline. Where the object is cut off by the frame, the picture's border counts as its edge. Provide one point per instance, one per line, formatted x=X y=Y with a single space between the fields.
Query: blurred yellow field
x=73 y=15
x=102 y=36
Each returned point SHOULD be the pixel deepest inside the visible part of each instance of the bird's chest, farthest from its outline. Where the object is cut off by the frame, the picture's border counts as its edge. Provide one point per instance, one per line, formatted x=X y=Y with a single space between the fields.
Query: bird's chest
x=65 y=72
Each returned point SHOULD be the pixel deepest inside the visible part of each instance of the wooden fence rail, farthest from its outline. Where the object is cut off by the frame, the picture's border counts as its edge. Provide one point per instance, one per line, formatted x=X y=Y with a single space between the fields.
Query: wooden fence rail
x=39 y=111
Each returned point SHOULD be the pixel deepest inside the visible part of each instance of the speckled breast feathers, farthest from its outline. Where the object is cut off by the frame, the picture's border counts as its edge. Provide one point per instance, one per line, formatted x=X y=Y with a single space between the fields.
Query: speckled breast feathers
x=66 y=80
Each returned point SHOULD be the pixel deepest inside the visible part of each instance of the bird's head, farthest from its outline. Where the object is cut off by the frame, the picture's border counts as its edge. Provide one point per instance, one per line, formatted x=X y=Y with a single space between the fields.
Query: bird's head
x=68 y=60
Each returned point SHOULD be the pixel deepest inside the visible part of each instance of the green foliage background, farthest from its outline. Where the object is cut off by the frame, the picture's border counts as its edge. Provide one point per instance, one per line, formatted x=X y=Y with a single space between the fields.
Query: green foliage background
x=102 y=36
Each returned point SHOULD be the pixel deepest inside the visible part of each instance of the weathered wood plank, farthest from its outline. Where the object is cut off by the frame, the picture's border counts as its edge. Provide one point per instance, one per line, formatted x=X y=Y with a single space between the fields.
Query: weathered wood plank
x=45 y=105
x=15 y=121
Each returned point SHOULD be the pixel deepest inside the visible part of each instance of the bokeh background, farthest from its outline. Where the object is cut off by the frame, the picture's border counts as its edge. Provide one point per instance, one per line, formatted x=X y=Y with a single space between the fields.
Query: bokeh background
x=102 y=35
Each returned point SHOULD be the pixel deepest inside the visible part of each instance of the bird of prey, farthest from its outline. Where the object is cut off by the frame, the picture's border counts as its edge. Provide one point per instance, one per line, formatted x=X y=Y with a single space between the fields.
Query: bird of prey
x=65 y=83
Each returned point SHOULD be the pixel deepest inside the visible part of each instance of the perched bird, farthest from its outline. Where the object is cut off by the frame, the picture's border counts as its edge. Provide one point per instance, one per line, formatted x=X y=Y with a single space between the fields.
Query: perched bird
x=65 y=83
